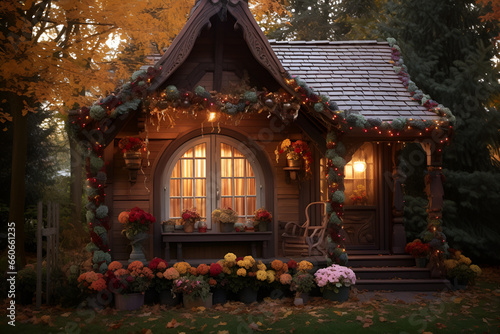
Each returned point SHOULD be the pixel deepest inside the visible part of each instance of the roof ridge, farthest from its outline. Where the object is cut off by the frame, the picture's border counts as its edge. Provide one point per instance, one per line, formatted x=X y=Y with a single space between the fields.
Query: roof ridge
x=360 y=41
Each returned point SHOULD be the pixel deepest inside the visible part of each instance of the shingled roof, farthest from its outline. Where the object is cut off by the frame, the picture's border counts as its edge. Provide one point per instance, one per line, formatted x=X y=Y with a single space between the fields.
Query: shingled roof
x=358 y=75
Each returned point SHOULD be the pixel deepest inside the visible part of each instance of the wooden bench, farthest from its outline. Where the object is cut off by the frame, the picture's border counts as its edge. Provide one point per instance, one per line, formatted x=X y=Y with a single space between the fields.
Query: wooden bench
x=252 y=237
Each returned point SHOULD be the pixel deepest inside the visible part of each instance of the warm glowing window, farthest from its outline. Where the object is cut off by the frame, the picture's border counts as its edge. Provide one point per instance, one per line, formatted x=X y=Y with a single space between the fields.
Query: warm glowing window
x=213 y=172
x=359 y=177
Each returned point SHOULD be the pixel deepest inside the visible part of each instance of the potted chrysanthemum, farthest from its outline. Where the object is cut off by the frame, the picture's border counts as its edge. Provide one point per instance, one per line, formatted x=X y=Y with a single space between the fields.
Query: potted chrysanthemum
x=335 y=281
x=261 y=219
x=226 y=217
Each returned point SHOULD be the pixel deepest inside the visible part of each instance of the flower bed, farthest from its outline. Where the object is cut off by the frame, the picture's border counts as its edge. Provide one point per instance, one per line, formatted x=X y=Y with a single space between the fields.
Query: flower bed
x=232 y=275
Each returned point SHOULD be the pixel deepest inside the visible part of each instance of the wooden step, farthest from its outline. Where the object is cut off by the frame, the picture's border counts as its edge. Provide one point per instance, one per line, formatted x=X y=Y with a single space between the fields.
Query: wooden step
x=392 y=273
x=356 y=261
x=403 y=284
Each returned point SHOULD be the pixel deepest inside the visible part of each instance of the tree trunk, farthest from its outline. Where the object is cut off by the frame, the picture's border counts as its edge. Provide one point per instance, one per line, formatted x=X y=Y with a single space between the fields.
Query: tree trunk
x=18 y=188
x=76 y=186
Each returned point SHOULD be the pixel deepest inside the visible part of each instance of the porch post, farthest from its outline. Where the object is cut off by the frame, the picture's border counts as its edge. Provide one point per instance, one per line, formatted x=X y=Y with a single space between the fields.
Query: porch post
x=434 y=190
x=398 y=228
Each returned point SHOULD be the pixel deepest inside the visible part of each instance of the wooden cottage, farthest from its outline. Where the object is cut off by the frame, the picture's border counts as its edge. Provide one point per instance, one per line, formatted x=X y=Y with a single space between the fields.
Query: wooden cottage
x=218 y=104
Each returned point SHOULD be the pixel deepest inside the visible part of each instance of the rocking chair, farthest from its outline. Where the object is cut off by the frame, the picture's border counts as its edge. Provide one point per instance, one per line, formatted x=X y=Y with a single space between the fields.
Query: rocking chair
x=306 y=238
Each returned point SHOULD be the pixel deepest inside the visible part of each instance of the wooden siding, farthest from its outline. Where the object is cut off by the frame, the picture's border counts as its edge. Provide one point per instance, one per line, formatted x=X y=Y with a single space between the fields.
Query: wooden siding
x=265 y=132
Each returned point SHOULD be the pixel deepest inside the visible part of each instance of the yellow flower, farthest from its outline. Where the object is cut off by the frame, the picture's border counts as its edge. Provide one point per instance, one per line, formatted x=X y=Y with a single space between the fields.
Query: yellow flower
x=241 y=272
x=285 y=144
x=261 y=275
x=230 y=257
x=249 y=259
x=476 y=269
x=226 y=270
x=241 y=263
x=464 y=259
x=304 y=266
x=450 y=264
x=171 y=273
x=182 y=267
x=271 y=276
x=261 y=266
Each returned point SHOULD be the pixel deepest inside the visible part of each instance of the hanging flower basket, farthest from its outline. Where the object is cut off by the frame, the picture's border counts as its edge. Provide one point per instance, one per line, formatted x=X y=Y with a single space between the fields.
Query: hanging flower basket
x=294 y=163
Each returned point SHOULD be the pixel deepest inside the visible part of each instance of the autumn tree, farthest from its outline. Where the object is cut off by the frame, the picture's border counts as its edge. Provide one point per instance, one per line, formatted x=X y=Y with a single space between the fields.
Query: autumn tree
x=59 y=54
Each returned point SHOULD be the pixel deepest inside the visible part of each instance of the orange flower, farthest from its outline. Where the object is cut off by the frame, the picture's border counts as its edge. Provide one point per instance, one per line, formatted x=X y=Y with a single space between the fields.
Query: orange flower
x=115 y=265
x=192 y=271
x=277 y=264
x=202 y=269
x=123 y=217
x=212 y=282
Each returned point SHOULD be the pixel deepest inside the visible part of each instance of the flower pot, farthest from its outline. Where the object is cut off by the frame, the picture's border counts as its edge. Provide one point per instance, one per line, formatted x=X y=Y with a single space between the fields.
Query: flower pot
x=202 y=229
x=150 y=296
x=129 y=302
x=219 y=296
x=169 y=299
x=294 y=162
x=247 y=295
x=341 y=296
x=421 y=262
x=262 y=226
x=168 y=228
x=137 y=253
x=226 y=227
x=188 y=227
x=190 y=302
x=132 y=160
x=178 y=228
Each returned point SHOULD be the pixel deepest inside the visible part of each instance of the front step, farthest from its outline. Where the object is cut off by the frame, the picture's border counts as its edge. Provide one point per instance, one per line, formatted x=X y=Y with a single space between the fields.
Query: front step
x=392 y=273
x=432 y=284
x=356 y=261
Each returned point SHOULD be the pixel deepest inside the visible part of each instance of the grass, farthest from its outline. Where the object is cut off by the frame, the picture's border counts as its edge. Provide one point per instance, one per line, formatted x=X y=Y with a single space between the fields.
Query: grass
x=474 y=310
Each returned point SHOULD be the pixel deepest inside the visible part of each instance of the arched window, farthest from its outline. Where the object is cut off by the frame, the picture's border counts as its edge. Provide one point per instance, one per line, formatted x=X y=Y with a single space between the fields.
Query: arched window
x=211 y=172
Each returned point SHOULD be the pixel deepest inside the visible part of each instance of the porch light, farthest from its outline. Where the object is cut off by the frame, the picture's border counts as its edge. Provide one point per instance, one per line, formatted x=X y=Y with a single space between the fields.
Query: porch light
x=212 y=116
x=359 y=166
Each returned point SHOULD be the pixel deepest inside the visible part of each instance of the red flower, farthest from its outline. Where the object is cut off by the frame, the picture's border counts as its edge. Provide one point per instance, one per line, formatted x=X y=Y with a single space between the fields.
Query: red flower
x=215 y=269
x=292 y=264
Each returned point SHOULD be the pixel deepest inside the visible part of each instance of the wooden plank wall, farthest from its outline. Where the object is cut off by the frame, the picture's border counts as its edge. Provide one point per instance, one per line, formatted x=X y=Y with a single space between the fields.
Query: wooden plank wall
x=124 y=196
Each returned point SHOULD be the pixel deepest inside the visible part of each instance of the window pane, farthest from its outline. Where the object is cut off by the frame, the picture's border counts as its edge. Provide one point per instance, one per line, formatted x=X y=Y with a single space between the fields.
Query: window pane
x=239 y=187
x=187 y=187
x=200 y=168
x=226 y=168
x=251 y=206
x=201 y=206
x=225 y=150
x=177 y=170
x=239 y=203
x=238 y=154
x=187 y=203
x=175 y=187
x=249 y=169
x=188 y=154
x=227 y=189
x=200 y=151
x=227 y=202
x=239 y=167
x=200 y=188
x=175 y=207
x=187 y=168
x=251 y=186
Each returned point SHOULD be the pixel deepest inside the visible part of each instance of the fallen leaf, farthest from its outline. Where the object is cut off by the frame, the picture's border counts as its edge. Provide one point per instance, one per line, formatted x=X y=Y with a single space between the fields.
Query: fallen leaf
x=440 y=325
x=172 y=324
x=115 y=326
x=307 y=323
x=287 y=314
x=203 y=327
x=223 y=332
x=216 y=317
x=457 y=300
x=147 y=314
x=382 y=319
x=152 y=319
x=360 y=318
x=67 y=314
x=338 y=313
x=146 y=331
x=259 y=323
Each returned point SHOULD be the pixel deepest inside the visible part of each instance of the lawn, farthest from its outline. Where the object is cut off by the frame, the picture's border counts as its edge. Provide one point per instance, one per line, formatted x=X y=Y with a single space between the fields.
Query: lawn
x=474 y=310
